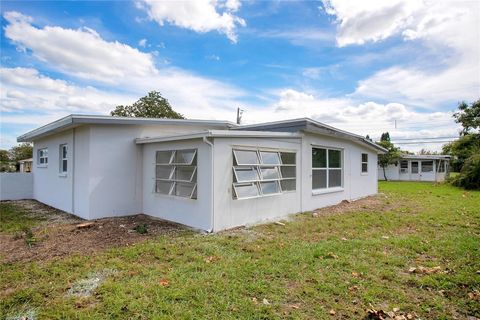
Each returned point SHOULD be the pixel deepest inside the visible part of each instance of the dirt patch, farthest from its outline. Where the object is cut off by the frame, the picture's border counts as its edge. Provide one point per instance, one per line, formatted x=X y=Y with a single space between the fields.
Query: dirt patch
x=41 y=211
x=60 y=235
x=378 y=202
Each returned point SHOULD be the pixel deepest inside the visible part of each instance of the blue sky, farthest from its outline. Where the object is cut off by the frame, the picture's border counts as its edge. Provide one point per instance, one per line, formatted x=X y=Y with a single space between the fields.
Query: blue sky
x=358 y=66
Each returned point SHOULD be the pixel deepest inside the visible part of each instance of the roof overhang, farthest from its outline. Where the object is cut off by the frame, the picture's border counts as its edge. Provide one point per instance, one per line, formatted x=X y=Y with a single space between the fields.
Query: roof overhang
x=74 y=120
x=220 y=134
x=425 y=157
x=314 y=127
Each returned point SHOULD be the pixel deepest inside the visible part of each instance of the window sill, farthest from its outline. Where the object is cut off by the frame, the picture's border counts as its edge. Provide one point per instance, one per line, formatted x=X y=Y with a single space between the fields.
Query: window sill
x=327 y=190
x=364 y=173
x=62 y=175
x=42 y=166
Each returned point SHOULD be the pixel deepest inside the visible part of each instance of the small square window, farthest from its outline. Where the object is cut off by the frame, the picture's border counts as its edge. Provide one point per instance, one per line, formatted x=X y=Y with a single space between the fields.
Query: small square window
x=270 y=157
x=288 y=185
x=164 y=157
x=270 y=187
x=246 y=190
x=245 y=174
x=246 y=157
x=269 y=173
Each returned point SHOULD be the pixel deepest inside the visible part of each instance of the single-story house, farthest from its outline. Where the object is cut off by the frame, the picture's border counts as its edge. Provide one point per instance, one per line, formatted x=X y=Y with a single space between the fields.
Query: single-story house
x=417 y=168
x=25 y=165
x=209 y=175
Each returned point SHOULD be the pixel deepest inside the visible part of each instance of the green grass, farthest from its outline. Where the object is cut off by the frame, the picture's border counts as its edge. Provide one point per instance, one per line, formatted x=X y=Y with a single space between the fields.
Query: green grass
x=347 y=262
x=14 y=219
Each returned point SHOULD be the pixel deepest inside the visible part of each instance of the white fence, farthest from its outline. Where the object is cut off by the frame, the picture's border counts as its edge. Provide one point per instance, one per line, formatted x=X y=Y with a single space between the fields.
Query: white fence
x=16 y=186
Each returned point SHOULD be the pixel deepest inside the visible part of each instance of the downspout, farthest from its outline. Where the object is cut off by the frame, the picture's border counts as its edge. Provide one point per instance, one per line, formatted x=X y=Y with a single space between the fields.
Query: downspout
x=205 y=139
x=73 y=170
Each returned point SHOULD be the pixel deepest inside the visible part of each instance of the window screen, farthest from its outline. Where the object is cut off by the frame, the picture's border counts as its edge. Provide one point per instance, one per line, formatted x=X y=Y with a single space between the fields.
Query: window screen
x=42 y=156
x=364 y=162
x=176 y=173
x=427 y=166
x=259 y=173
x=414 y=166
x=327 y=168
x=404 y=166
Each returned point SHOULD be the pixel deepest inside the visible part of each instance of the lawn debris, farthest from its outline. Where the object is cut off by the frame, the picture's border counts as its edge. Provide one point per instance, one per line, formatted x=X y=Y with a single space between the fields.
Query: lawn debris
x=474 y=295
x=265 y=302
x=280 y=223
x=86 y=287
x=425 y=270
x=211 y=259
x=164 y=282
x=395 y=314
x=331 y=255
x=85 y=225
x=332 y=312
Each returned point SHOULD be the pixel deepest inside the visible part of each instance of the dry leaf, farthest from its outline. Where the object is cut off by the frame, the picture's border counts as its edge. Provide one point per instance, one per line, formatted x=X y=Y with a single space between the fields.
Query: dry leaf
x=164 y=283
x=396 y=309
x=331 y=255
x=332 y=312
x=355 y=274
x=265 y=302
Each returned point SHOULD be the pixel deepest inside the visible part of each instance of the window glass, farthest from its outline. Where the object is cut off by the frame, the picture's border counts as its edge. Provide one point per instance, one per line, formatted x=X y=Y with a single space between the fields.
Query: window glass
x=175 y=173
x=319 y=179
x=288 y=157
x=163 y=157
x=184 y=173
x=246 y=157
x=364 y=167
x=64 y=166
x=42 y=156
x=334 y=178
x=184 y=156
x=269 y=173
x=163 y=187
x=269 y=187
x=334 y=159
x=288 y=172
x=414 y=166
x=246 y=174
x=246 y=190
x=427 y=166
x=163 y=172
x=364 y=157
x=183 y=189
x=319 y=158
x=404 y=166
x=262 y=172
x=270 y=157
x=288 y=185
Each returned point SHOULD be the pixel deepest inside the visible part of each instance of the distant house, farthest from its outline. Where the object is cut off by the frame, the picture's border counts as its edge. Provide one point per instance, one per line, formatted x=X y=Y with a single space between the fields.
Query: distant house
x=210 y=175
x=418 y=168
x=25 y=165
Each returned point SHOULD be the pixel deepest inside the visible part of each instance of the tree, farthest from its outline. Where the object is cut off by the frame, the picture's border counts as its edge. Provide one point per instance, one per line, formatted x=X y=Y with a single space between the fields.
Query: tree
x=368 y=137
x=385 y=136
x=462 y=149
x=4 y=156
x=20 y=152
x=468 y=116
x=469 y=176
x=153 y=105
x=392 y=155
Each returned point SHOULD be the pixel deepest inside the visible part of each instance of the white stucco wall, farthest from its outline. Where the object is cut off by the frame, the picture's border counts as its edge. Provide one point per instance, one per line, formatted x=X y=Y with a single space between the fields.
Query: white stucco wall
x=355 y=184
x=196 y=213
x=393 y=173
x=231 y=212
x=49 y=186
x=16 y=186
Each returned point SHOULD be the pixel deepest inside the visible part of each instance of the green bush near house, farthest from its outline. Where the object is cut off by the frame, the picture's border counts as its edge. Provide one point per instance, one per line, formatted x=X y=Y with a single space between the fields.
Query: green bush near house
x=469 y=176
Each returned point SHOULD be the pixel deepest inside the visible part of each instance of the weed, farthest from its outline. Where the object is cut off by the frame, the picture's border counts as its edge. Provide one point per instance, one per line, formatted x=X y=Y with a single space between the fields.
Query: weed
x=141 y=228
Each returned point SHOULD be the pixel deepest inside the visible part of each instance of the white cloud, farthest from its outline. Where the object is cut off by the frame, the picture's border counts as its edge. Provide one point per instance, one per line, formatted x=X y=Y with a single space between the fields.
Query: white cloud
x=449 y=31
x=197 y=15
x=142 y=43
x=82 y=52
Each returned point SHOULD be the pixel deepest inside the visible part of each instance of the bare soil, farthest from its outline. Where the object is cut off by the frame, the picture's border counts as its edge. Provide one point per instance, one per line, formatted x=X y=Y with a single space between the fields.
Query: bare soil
x=59 y=234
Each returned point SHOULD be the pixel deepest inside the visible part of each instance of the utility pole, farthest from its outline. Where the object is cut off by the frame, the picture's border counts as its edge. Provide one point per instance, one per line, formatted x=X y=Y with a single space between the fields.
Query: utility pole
x=395 y=121
x=239 y=115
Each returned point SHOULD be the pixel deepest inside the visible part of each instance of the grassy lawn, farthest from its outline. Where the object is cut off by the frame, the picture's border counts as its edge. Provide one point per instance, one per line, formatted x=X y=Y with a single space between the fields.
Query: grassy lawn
x=326 y=266
x=14 y=219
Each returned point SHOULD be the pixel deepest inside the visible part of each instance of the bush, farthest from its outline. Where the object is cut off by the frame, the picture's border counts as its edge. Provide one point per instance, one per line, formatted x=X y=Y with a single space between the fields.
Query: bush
x=469 y=177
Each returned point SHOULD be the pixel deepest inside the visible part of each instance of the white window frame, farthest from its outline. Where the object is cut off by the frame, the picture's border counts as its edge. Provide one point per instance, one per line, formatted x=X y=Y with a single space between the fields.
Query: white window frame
x=62 y=159
x=433 y=166
x=362 y=163
x=404 y=170
x=257 y=168
x=42 y=154
x=327 y=169
x=172 y=179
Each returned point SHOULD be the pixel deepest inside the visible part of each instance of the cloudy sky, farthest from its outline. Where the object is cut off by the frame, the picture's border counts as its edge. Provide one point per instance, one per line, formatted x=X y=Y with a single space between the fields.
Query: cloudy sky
x=362 y=66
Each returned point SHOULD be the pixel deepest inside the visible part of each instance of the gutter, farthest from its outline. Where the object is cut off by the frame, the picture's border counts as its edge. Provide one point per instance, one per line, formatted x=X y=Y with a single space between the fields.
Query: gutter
x=205 y=139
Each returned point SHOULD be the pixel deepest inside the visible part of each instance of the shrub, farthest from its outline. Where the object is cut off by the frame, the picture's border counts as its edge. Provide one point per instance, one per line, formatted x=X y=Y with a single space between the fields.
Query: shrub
x=469 y=177
x=141 y=228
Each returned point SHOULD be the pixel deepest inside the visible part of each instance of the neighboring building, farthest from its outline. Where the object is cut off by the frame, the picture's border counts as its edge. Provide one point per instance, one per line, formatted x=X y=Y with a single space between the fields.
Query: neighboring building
x=417 y=168
x=26 y=165
x=210 y=175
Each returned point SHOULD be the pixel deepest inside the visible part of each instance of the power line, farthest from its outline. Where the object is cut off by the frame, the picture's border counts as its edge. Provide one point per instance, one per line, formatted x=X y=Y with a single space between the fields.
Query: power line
x=423 y=142
x=424 y=138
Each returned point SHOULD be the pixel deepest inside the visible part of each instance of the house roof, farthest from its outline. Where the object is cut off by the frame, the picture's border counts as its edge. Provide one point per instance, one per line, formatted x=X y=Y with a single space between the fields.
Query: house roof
x=220 y=134
x=312 y=126
x=426 y=156
x=74 y=120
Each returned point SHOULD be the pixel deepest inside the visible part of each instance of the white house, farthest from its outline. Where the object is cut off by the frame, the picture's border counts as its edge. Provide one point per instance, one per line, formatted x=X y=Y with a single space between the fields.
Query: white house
x=417 y=168
x=210 y=175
